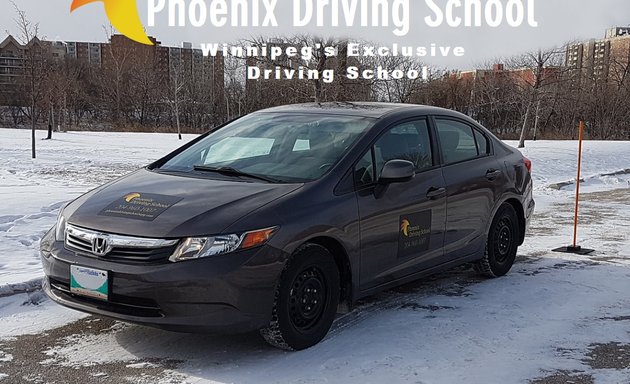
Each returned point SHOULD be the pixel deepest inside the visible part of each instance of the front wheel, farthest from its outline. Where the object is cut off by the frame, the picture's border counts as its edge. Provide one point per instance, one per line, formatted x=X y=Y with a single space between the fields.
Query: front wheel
x=306 y=300
x=501 y=243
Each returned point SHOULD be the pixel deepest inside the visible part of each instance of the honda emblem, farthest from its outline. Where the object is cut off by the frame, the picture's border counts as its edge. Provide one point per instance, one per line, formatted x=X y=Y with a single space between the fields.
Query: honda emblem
x=100 y=245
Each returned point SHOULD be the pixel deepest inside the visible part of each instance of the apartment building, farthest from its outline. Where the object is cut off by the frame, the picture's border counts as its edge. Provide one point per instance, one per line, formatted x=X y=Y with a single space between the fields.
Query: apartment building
x=121 y=53
x=607 y=59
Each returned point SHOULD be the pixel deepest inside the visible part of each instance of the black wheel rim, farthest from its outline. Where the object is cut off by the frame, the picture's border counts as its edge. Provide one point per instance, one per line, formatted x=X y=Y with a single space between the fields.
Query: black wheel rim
x=307 y=299
x=503 y=238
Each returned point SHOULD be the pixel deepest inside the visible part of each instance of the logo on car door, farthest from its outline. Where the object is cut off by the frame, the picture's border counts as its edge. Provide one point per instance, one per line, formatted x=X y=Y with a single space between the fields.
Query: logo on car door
x=414 y=233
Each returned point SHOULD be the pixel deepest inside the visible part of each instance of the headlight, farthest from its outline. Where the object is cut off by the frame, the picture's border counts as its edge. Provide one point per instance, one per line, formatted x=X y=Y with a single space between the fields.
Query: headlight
x=198 y=247
x=60 y=227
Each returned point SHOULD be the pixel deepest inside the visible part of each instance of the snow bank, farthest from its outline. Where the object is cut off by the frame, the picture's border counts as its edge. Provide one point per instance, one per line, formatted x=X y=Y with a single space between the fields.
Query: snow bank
x=66 y=167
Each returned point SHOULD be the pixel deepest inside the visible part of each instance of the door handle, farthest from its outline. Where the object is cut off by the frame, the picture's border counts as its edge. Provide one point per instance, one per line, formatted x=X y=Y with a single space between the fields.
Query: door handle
x=436 y=193
x=492 y=174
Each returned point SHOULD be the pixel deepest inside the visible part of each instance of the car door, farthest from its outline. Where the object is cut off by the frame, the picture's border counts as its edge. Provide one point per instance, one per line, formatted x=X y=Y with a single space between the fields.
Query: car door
x=402 y=225
x=473 y=177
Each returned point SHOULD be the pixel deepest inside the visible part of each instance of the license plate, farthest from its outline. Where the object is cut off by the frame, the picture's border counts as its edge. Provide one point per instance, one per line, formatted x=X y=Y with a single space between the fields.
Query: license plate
x=89 y=282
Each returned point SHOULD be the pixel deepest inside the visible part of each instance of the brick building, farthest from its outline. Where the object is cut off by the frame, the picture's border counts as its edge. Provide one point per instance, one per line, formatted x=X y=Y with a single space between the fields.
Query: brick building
x=522 y=77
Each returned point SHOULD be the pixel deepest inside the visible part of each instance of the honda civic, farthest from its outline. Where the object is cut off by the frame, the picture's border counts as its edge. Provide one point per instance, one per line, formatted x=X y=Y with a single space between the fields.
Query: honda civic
x=281 y=219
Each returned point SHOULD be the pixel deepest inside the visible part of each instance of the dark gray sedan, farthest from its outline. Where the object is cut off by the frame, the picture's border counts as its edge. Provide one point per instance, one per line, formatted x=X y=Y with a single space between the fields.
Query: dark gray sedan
x=280 y=219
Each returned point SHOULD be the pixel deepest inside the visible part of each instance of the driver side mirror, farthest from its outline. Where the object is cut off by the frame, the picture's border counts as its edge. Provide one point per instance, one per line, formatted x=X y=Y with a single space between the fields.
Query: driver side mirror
x=397 y=171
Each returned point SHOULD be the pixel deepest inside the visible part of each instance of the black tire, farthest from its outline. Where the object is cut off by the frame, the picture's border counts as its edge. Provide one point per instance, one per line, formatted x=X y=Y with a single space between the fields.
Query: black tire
x=306 y=300
x=501 y=243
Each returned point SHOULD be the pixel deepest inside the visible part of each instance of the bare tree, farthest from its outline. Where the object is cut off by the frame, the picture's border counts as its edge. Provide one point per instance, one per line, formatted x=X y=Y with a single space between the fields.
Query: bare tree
x=116 y=69
x=541 y=77
x=391 y=89
x=319 y=60
x=177 y=86
x=34 y=68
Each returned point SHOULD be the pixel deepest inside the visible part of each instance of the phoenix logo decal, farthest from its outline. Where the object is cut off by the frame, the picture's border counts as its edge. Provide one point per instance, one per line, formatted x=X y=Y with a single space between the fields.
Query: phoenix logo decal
x=123 y=15
x=129 y=198
x=404 y=227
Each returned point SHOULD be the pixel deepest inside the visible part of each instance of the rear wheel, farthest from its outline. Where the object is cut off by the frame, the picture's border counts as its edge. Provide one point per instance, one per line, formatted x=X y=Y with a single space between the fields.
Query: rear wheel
x=306 y=300
x=501 y=244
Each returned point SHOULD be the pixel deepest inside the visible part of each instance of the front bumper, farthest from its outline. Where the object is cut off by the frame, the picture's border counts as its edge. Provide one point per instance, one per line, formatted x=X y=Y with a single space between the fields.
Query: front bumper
x=226 y=293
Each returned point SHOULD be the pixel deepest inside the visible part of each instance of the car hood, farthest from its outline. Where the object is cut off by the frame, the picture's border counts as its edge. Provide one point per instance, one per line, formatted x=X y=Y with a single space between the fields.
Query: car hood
x=152 y=204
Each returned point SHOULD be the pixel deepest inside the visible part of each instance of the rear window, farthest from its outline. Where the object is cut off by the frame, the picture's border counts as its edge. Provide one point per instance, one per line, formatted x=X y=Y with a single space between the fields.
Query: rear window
x=457 y=141
x=482 y=143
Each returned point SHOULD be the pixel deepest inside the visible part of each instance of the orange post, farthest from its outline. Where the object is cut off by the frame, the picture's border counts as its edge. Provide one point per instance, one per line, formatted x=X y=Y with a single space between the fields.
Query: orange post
x=577 y=184
x=576 y=248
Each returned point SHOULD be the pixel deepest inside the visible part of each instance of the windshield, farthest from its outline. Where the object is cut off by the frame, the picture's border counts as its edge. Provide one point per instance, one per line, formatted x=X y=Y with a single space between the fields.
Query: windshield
x=282 y=147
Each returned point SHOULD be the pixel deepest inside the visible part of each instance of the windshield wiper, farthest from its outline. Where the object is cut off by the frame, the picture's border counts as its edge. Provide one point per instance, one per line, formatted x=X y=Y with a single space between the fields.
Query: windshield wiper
x=229 y=171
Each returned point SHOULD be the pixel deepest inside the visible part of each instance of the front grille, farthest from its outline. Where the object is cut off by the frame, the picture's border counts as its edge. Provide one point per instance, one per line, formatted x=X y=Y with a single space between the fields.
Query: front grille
x=118 y=247
x=136 y=254
x=78 y=244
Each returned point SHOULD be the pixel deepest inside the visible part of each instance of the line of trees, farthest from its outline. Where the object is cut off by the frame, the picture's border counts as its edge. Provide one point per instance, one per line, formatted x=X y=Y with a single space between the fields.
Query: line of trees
x=533 y=97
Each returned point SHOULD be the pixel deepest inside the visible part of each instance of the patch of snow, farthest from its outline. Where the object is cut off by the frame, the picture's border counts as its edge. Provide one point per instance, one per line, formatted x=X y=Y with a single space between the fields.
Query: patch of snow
x=27 y=286
x=72 y=163
x=555 y=162
x=20 y=317
x=141 y=365
x=5 y=357
x=77 y=350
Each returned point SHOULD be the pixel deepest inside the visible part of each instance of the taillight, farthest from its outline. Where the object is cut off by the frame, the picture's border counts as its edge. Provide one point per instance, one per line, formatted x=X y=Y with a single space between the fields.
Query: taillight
x=528 y=164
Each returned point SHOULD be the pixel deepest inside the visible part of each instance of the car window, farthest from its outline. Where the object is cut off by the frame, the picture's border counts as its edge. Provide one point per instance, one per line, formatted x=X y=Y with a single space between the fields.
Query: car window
x=364 y=170
x=407 y=141
x=457 y=141
x=283 y=146
x=482 y=143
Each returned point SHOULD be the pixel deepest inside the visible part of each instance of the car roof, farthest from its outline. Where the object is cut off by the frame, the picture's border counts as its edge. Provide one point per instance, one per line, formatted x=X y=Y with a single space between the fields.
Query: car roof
x=365 y=109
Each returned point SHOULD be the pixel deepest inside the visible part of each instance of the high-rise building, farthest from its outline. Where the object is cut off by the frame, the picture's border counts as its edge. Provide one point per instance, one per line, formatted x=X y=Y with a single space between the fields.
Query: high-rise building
x=607 y=59
x=122 y=54
x=88 y=53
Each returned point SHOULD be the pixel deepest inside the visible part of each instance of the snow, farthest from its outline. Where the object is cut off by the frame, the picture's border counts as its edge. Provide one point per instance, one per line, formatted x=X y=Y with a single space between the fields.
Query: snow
x=541 y=318
x=555 y=162
x=66 y=167
x=141 y=365
x=30 y=314
x=78 y=350
x=5 y=357
x=494 y=333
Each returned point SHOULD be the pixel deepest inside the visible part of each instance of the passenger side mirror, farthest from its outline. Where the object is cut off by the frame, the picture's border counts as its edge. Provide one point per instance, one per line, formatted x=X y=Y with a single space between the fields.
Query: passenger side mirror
x=397 y=171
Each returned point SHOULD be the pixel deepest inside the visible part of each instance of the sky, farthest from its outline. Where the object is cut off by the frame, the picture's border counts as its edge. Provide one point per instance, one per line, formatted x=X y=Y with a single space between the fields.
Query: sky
x=559 y=21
